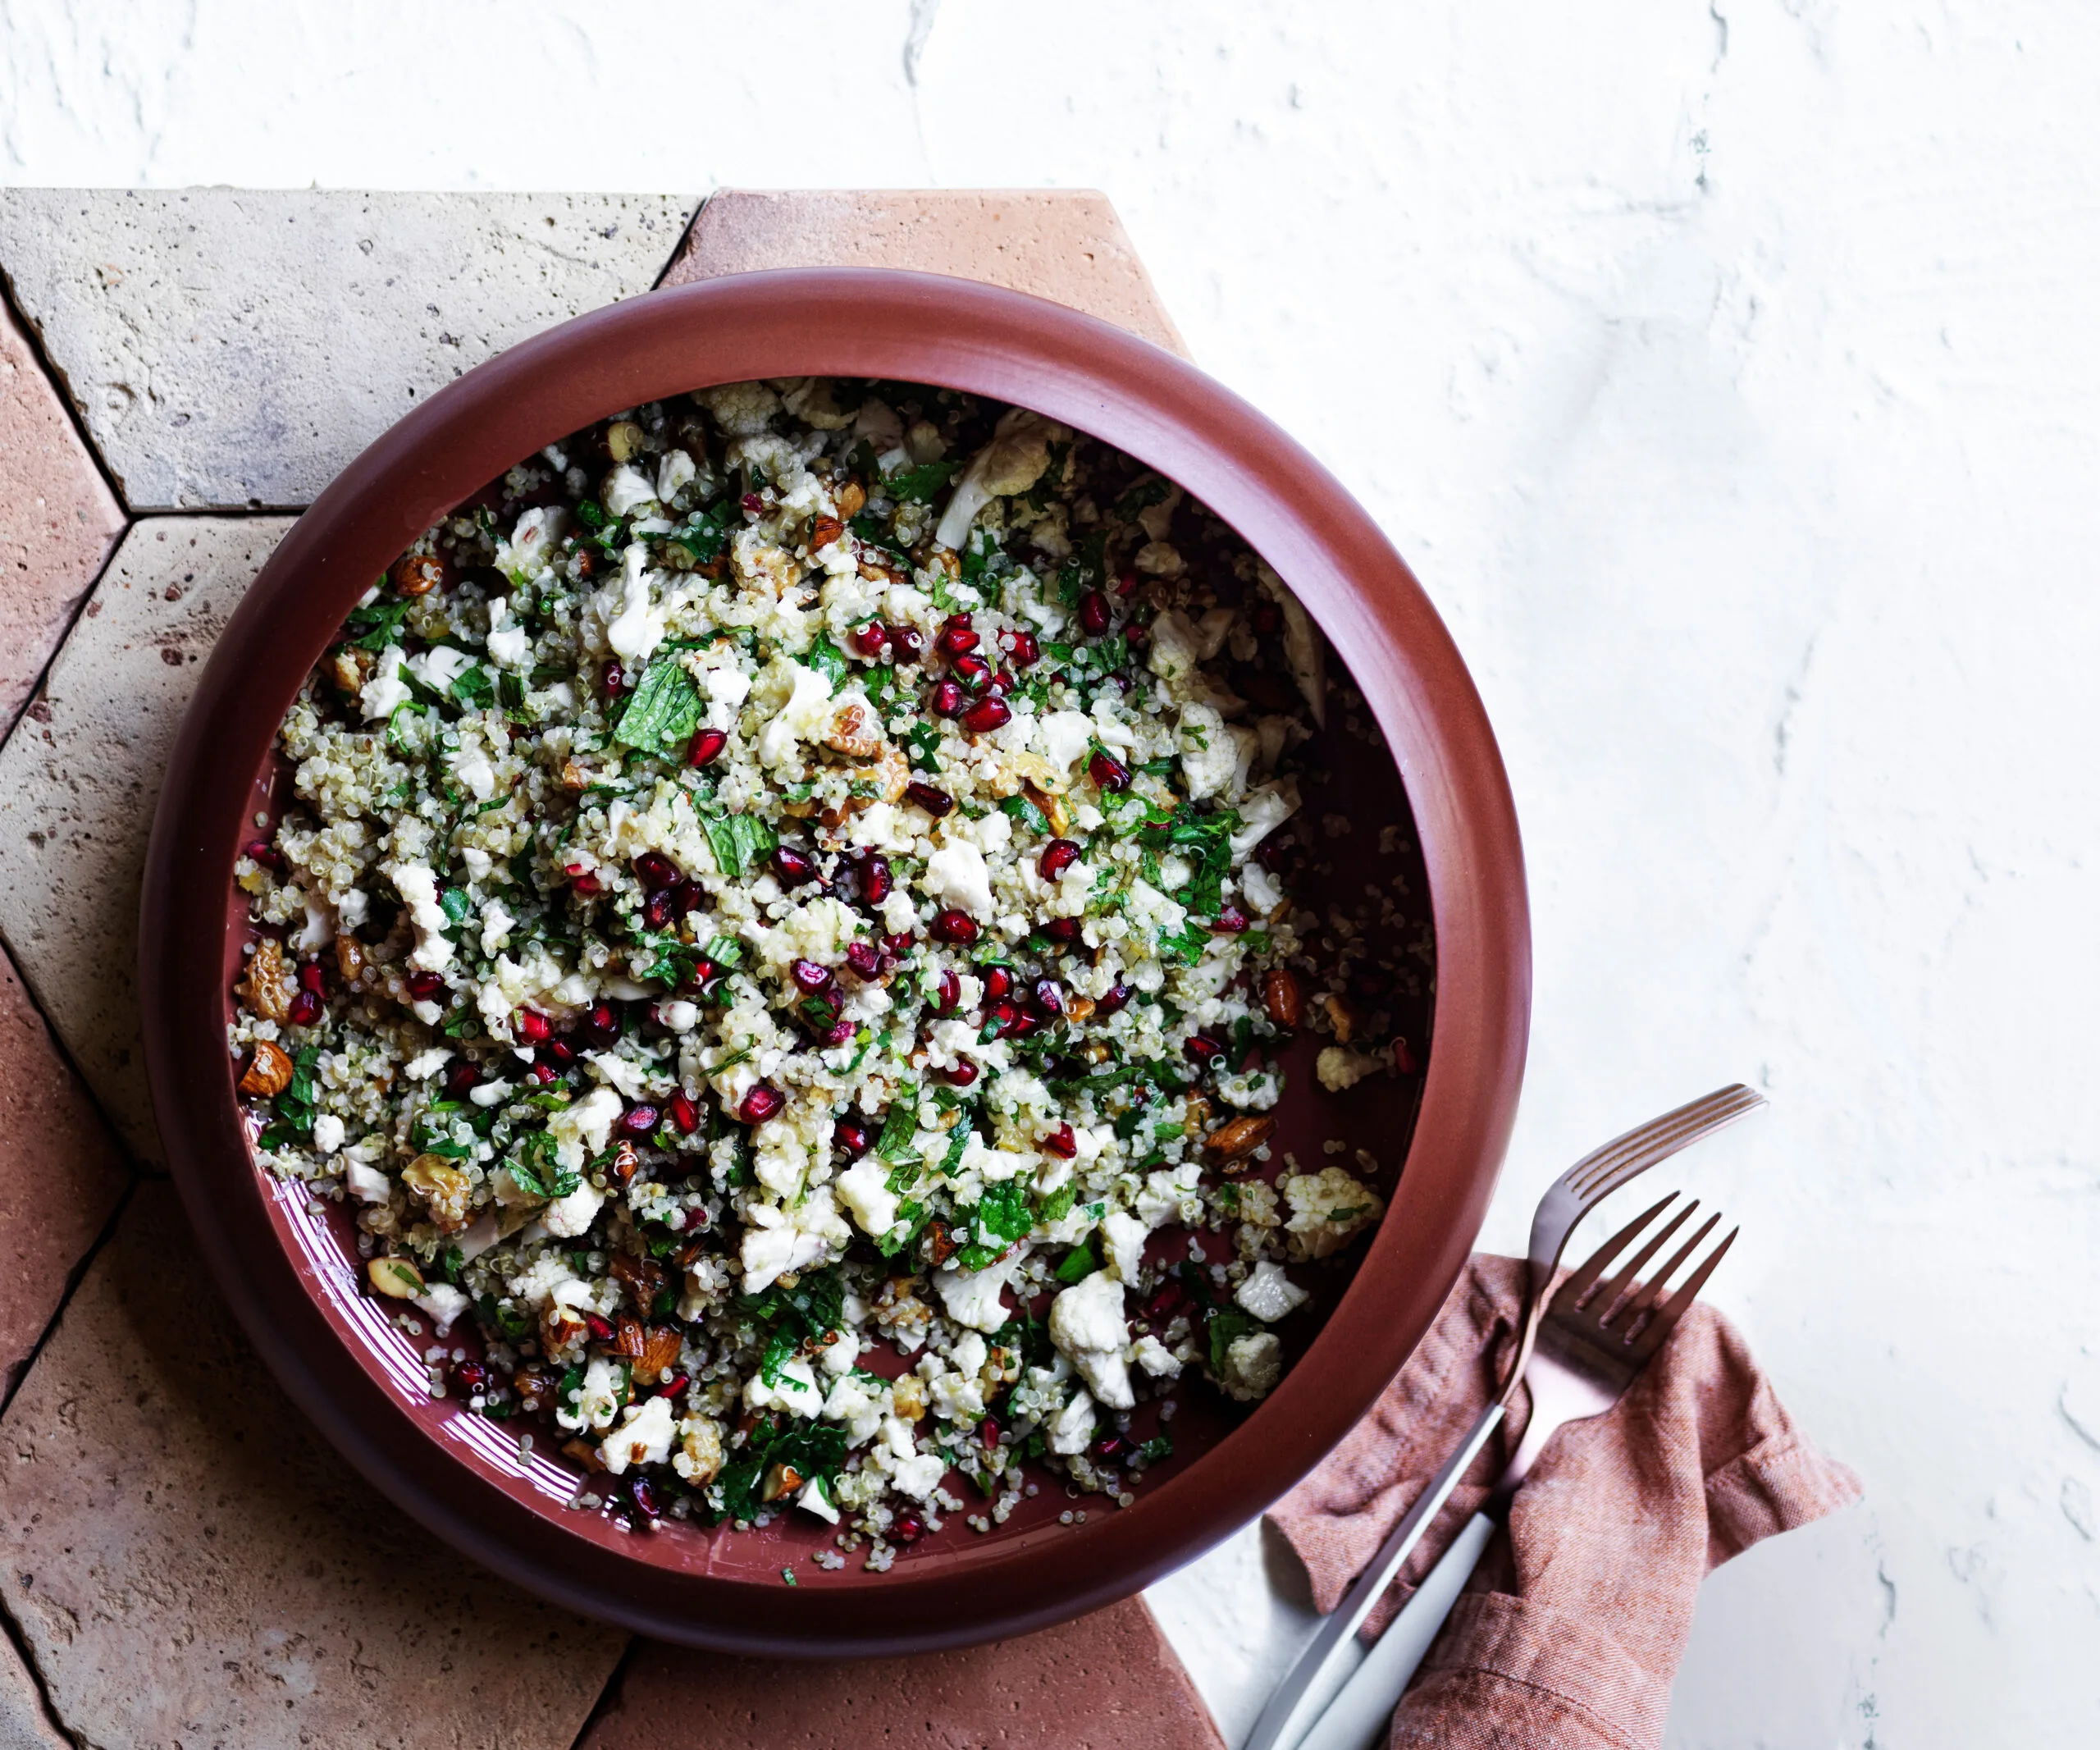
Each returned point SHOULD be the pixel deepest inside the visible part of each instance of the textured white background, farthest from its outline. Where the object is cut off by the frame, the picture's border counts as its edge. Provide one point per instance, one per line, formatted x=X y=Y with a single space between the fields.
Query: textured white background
x=1729 y=374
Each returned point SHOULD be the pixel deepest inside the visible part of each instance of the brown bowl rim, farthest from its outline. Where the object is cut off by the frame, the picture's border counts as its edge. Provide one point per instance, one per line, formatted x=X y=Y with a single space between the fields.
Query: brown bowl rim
x=916 y=328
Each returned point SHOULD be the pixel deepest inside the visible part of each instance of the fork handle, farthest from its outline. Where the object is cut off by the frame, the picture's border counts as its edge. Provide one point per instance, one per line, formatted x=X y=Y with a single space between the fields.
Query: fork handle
x=1357 y=1718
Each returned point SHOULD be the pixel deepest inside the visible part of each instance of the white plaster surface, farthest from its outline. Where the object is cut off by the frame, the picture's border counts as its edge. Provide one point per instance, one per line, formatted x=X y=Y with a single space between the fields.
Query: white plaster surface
x=1727 y=371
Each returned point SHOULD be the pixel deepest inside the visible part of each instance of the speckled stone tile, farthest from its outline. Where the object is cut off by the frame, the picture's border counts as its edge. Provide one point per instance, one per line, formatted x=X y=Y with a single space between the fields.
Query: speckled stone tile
x=58 y=519
x=80 y=776
x=230 y=348
x=1062 y=244
x=1106 y=1682
x=190 y=1564
x=60 y=1174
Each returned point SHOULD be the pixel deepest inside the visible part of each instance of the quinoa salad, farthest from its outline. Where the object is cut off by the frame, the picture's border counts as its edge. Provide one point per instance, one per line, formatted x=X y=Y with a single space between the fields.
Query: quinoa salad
x=780 y=936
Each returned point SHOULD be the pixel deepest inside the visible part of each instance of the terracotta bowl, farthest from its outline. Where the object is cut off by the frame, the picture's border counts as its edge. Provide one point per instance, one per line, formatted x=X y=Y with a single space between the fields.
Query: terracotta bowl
x=291 y=1274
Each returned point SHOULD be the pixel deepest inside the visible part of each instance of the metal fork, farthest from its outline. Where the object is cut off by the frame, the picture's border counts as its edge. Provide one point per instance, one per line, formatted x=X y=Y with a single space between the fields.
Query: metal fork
x=1593 y=1341
x=1333 y=1654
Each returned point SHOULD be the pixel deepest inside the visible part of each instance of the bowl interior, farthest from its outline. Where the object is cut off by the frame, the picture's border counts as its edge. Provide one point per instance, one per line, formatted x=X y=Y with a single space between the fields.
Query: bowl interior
x=1406 y=830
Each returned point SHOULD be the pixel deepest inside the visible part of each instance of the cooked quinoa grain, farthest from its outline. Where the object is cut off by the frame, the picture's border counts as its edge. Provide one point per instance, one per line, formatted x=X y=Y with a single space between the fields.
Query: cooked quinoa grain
x=777 y=930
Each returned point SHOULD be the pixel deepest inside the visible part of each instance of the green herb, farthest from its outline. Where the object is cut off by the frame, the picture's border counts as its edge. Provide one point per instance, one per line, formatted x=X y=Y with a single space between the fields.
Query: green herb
x=1080 y=1262
x=738 y=839
x=924 y=742
x=454 y=903
x=1057 y=1206
x=474 y=687
x=509 y=1323
x=814 y=1449
x=536 y=1171
x=827 y=659
x=917 y=486
x=664 y=711
x=1159 y=1446
x=1031 y=817
x=703 y=537
x=1226 y=1328
x=900 y=1125
x=375 y=625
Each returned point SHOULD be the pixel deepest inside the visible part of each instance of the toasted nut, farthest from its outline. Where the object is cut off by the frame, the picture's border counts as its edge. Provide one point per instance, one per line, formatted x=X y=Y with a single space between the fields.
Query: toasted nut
x=562 y=1330
x=349 y=667
x=782 y=1479
x=1051 y=804
x=824 y=531
x=269 y=1071
x=898 y=1305
x=699 y=1457
x=892 y=774
x=1231 y=1143
x=267 y=989
x=1281 y=999
x=1341 y=1015
x=941 y=1244
x=944 y=561
x=907 y=1398
x=643 y=1279
x=1079 y=1009
x=659 y=1353
x=1197 y=1116
x=855 y=731
x=395 y=1277
x=1001 y=1367
x=850 y=498
x=1096 y=1052
x=418 y=574
x=584 y=1453
x=443 y=1188
x=350 y=957
x=625 y=1163
x=623 y=440
x=535 y=1388
x=574 y=777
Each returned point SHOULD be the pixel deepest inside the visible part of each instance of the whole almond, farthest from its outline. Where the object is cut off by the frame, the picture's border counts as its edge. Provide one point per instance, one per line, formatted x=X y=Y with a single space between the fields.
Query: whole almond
x=269 y=1071
x=1233 y=1142
x=850 y=498
x=1281 y=999
x=268 y=991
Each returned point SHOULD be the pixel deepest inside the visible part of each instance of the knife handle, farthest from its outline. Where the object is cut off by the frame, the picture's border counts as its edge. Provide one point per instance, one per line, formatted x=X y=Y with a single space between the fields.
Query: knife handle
x=1357 y=1718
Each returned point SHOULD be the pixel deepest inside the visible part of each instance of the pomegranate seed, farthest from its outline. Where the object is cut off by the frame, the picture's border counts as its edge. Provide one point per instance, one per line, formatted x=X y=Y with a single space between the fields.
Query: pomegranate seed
x=951 y=993
x=752 y=504
x=1170 y=1300
x=312 y=978
x=1268 y=618
x=906 y=1528
x=706 y=745
x=1062 y=1143
x=639 y=1121
x=1022 y=1026
x=675 y=1385
x=876 y=883
x=601 y=1025
x=948 y=700
x=655 y=869
x=952 y=925
x=1114 y=1000
x=1058 y=856
x=598 y=1328
x=461 y=1077
x=614 y=679
x=870 y=639
x=936 y=802
x=583 y=881
x=683 y=1112
x=1230 y=921
x=998 y=982
x=656 y=909
x=557 y=1052
x=542 y=1073
x=908 y=642
x=864 y=960
x=1000 y=684
x=987 y=1431
x=837 y=1033
x=973 y=672
x=703 y=970
x=470 y=1376
x=1108 y=1445
x=1064 y=931
x=760 y=1104
x=852 y=1139
x=1127 y=584
x=810 y=976
x=642 y=1492
x=1022 y=647
x=1403 y=1059
x=792 y=867
x=1203 y=1050
x=962 y=1074
x=1093 y=613
x=1049 y=999
x=422 y=986
x=528 y=1024
x=898 y=944
x=988 y=714
x=263 y=851
x=1109 y=772
x=957 y=638
x=305 y=1009
x=1001 y=1015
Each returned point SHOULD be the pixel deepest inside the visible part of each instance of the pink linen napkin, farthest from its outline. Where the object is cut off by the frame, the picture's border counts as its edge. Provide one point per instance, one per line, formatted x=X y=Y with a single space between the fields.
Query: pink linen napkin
x=1570 y=1632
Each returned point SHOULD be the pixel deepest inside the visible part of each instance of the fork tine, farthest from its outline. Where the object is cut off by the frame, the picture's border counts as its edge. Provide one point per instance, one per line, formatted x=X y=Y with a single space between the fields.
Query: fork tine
x=1604 y=1169
x=1615 y=1290
x=1652 y=1293
x=1579 y=1283
x=1666 y=1316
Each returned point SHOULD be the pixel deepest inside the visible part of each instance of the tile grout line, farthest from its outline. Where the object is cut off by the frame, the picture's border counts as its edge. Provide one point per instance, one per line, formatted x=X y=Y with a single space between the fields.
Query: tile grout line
x=615 y=1682
x=62 y=385
x=685 y=237
x=20 y=1641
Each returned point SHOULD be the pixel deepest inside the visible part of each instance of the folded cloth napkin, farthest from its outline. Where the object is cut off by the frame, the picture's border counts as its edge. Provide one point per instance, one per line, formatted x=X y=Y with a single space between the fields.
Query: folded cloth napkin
x=1571 y=1630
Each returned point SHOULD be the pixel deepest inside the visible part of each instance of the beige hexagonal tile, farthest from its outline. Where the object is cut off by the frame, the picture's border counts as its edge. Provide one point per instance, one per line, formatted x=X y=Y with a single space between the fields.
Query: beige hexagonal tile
x=189 y=1564
x=80 y=776
x=230 y=348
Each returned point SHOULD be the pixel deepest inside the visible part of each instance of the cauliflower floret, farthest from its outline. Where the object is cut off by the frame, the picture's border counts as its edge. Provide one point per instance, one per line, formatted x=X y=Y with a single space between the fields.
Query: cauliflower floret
x=1269 y=1294
x=1210 y=755
x=956 y=875
x=1253 y=1366
x=1086 y=1326
x=794 y=1389
x=1073 y=1430
x=741 y=409
x=699 y=1457
x=1338 y=1068
x=1328 y=1209
x=643 y=1438
x=972 y=1296
x=1013 y=462
x=864 y=1188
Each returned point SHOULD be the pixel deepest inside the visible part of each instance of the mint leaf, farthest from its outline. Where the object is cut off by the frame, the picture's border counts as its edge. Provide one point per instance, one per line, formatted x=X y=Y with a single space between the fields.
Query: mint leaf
x=917 y=486
x=664 y=711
